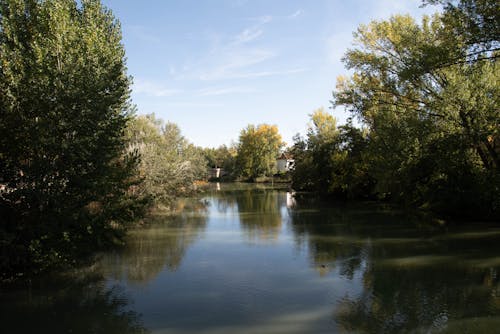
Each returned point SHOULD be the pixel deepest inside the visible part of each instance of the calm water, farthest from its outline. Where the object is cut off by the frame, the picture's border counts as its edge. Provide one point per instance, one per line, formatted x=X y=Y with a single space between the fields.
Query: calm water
x=250 y=259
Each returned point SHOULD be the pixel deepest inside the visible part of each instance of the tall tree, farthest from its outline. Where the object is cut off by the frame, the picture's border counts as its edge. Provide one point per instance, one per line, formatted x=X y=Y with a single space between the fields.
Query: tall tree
x=433 y=128
x=64 y=104
x=331 y=159
x=474 y=27
x=258 y=149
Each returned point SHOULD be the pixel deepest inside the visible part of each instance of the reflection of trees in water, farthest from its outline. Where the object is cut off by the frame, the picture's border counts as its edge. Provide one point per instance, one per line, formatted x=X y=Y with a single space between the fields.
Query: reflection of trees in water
x=260 y=213
x=162 y=244
x=425 y=299
x=258 y=207
x=415 y=277
x=85 y=306
x=331 y=242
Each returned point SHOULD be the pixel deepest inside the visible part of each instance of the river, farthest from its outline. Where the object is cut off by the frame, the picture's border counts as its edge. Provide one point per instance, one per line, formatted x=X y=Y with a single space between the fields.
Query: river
x=255 y=259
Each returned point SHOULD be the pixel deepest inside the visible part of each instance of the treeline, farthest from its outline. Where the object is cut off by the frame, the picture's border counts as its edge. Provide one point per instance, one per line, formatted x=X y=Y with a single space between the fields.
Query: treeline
x=76 y=165
x=252 y=158
x=425 y=97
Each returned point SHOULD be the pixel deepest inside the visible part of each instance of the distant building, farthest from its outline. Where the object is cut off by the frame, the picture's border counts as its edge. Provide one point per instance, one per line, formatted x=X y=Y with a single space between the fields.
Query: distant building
x=285 y=162
x=215 y=173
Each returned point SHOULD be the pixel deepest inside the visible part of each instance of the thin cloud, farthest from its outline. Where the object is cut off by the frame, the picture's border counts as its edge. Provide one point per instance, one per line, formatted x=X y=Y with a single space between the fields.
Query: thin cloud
x=248 y=35
x=253 y=32
x=268 y=73
x=295 y=15
x=142 y=33
x=216 y=91
x=153 y=89
x=238 y=59
x=192 y=105
x=264 y=19
x=236 y=62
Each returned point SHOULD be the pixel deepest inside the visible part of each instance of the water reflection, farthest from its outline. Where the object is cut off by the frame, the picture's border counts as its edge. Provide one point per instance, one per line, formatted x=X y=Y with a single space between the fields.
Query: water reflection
x=74 y=305
x=317 y=268
x=428 y=299
x=260 y=213
x=259 y=208
x=159 y=245
x=414 y=277
x=331 y=243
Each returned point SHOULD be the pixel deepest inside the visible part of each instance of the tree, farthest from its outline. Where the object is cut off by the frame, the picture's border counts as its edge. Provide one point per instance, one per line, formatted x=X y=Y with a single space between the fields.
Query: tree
x=474 y=26
x=221 y=157
x=322 y=143
x=257 y=150
x=331 y=160
x=433 y=128
x=64 y=104
x=170 y=165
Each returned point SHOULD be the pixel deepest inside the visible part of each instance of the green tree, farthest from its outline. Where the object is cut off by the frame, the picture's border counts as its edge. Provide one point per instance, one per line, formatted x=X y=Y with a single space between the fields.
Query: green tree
x=170 y=165
x=433 y=128
x=331 y=160
x=64 y=104
x=257 y=150
x=221 y=157
x=473 y=28
x=313 y=170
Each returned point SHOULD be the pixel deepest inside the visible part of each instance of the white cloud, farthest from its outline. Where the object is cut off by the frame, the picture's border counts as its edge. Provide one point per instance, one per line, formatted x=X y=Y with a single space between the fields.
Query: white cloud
x=191 y=105
x=257 y=74
x=295 y=15
x=236 y=57
x=261 y=19
x=253 y=32
x=215 y=91
x=153 y=89
x=248 y=35
x=232 y=62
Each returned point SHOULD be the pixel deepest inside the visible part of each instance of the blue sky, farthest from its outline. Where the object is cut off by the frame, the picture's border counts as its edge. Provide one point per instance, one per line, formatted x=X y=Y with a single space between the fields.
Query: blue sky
x=215 y=66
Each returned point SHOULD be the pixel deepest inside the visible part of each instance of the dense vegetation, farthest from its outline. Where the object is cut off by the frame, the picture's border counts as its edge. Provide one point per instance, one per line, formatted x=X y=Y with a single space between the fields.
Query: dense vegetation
x=169 y=165
x=64 y=104
x=427 y=97
x=222 y=157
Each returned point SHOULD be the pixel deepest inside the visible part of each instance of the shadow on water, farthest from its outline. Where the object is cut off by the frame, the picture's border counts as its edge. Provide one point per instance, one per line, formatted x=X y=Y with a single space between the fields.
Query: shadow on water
x=89 y=300
x=414 y=276
x=70 y=305
x=159 y=246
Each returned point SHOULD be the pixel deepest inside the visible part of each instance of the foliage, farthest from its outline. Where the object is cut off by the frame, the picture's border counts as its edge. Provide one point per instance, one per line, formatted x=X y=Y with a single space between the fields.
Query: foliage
x=432 y=112
x=427 y=96
x=221 y=157
x=257 y=150
x=169 y=163
x=331 y=160
x=64 y=103
x=473 y=25
x=314 y=168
